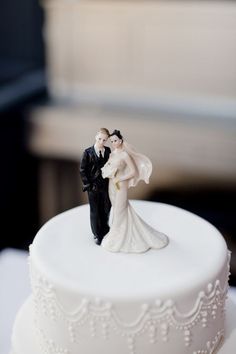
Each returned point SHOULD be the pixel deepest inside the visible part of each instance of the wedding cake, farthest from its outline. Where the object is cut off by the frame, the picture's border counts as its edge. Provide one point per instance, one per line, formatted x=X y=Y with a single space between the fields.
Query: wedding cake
x=87 y=300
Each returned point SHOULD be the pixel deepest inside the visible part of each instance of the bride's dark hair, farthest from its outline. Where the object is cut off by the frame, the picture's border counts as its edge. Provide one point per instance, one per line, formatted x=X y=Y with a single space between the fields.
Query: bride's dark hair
x=117 y=133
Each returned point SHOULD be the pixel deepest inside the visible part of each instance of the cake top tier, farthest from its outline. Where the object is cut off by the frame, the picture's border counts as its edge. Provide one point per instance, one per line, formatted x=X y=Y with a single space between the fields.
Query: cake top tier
x=64 y=250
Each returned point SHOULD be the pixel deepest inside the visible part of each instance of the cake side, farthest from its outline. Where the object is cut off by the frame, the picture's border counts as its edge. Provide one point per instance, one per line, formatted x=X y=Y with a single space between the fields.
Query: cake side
x=171 y=299
x=25 y=339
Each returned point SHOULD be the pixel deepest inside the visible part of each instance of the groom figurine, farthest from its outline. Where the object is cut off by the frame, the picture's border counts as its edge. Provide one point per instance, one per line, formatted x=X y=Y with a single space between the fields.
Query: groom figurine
x=93 y=159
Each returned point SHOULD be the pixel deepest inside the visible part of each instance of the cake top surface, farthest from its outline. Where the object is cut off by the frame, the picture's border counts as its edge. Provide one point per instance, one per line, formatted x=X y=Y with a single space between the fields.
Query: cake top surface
x=64 y=250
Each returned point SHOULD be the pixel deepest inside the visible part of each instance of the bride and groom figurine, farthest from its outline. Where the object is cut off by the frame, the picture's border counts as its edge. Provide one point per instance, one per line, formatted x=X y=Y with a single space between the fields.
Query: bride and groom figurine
x=107 y=176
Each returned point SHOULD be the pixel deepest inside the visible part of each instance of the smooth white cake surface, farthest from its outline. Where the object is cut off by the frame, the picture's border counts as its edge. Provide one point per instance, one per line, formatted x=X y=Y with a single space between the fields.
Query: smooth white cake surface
x=64 y=249
x=171 y=300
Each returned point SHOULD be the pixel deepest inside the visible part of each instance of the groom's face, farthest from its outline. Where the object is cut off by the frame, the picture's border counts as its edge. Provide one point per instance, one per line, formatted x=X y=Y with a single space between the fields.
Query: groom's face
x=101 y=139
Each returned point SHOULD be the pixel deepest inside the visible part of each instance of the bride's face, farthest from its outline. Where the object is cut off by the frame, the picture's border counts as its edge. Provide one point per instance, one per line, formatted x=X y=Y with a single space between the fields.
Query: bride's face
x=115 y=142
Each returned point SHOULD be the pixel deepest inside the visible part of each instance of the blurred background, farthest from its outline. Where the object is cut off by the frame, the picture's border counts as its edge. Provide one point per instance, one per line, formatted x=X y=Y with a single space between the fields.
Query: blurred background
x=162 y=72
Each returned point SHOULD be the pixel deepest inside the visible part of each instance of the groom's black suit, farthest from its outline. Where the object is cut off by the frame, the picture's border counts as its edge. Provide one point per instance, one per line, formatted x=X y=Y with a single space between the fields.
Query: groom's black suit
x=97 y=188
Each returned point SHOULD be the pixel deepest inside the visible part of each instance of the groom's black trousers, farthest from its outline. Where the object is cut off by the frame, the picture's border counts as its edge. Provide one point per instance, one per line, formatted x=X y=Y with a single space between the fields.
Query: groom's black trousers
x=100 y=206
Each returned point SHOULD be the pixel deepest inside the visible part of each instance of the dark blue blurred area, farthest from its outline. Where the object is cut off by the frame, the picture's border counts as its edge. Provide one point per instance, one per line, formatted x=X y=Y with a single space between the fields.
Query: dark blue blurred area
x=21 y=43
x=22 y=85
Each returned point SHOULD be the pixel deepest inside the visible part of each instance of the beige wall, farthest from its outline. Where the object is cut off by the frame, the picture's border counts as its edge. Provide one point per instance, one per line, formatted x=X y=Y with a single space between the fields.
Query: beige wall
x=181 y=150
x=176 y=57
x=183 y=48
x=163 y=72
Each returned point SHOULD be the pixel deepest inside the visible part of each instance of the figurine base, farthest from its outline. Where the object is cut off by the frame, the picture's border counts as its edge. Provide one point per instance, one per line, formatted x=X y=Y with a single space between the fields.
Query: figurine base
x=24 y=339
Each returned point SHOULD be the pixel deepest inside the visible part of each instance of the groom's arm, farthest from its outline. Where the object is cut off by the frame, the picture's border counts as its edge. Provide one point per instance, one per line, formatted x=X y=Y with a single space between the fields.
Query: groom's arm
x=84 y=165
x=108 y=151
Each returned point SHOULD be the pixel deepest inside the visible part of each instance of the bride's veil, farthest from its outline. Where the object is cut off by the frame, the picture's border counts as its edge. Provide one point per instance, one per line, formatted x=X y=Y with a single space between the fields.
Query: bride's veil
x=142 y=163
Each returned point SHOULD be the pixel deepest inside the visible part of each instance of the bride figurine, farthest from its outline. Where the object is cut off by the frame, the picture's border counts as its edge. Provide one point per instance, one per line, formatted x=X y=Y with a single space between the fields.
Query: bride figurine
x=128 y=232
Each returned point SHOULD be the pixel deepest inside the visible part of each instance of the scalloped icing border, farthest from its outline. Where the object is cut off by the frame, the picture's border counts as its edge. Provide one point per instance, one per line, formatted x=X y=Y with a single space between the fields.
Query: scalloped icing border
x=160 y=317
x=214 y=346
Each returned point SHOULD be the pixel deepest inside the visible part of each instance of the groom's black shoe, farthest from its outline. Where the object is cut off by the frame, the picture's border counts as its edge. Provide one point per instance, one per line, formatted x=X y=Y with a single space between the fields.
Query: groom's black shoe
x=97 y=241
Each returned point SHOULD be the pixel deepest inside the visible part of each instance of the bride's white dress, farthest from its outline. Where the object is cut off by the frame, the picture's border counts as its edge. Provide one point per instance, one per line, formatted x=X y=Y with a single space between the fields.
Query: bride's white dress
x=128 y=232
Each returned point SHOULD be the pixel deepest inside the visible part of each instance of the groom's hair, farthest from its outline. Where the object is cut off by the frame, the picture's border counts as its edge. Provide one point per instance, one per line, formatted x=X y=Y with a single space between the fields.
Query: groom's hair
x=104 y=131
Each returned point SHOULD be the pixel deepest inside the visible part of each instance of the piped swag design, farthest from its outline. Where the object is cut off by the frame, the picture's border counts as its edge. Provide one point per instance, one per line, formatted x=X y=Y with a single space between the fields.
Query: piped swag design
x=157 y=320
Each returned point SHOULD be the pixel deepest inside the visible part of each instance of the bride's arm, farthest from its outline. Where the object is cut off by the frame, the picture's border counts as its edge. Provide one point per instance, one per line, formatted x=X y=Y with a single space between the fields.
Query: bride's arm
x=131 y=168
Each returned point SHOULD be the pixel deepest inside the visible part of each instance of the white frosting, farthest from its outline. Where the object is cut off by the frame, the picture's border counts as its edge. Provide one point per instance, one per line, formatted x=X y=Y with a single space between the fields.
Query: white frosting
x=25 y=336
x=64 y=250
x=171 y=299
